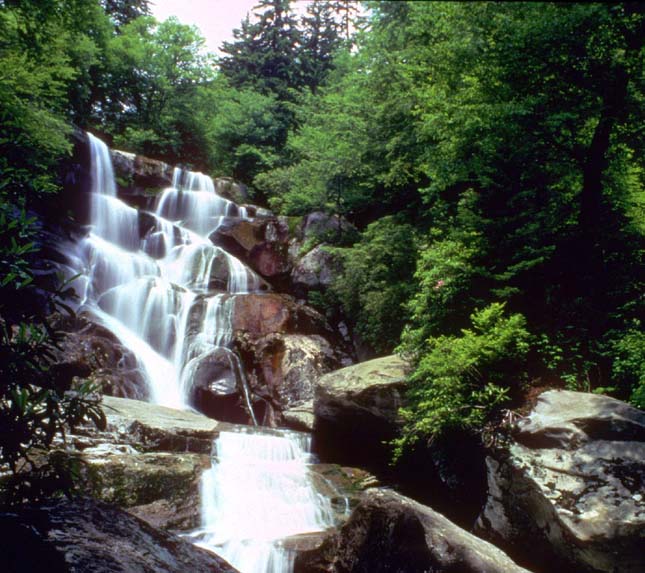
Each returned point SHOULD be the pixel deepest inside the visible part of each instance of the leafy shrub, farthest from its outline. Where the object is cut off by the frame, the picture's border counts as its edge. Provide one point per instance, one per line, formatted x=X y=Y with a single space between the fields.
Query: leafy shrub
x=461 y=381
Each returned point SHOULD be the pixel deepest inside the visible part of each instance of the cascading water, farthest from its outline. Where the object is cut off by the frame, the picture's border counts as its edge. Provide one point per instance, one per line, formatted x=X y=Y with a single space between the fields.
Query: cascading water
x=257 y=493
x=146 y=273
x=148 y=277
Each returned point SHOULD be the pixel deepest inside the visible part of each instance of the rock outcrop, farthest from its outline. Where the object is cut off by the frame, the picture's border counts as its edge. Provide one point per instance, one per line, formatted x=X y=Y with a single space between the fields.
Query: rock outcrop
x=76 y=536
x=389 y=532
x=261 y=243
x=356 y=410
x=259 y=315
x=283 y=370
x=570 y=487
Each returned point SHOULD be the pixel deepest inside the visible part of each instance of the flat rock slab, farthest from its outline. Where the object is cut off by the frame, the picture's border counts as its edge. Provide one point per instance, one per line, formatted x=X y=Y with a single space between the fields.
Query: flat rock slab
x=84 y=535
x=157 y=428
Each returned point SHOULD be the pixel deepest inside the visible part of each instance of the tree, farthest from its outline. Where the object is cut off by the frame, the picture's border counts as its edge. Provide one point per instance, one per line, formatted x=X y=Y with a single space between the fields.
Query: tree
x=321 y=38
x=264 y=55
x=39 y=74
x=155 y=71
x=123 y=12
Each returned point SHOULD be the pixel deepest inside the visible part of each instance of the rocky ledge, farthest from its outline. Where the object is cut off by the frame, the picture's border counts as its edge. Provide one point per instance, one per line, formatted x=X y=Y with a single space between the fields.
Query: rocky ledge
x=149 y=460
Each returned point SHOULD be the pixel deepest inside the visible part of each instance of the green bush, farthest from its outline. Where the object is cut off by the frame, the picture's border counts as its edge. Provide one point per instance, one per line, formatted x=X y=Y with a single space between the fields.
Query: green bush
x=628 y=367
x=460 y=382
x=376 y=281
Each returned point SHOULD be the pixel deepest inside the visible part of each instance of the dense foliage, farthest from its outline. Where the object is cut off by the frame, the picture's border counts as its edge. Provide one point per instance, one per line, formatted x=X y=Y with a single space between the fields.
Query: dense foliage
x=490 y=153
x=43 y=54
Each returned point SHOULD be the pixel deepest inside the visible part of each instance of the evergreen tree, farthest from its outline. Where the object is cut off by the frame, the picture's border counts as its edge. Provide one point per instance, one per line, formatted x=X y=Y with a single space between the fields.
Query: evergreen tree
x=321 y=37
x=264 y=55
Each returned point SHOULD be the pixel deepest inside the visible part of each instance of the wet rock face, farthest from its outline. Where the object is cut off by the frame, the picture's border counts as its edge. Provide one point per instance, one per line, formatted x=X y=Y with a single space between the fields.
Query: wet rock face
x=140 y=178
x=570 y=487
x=283 y=369
x=92 y=351
x=83 y=535
x=388 y=532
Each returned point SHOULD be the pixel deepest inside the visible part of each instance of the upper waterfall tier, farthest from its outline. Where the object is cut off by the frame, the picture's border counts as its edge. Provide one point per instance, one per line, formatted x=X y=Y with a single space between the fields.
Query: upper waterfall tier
x=156 y=280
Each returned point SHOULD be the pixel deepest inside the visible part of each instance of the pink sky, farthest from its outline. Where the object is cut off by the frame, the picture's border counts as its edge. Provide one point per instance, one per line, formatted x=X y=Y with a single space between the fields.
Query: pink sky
x=215 y=18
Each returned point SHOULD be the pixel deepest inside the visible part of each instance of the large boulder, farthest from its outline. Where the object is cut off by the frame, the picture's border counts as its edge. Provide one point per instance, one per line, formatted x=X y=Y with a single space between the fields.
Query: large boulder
x=356 y=411
x=216 y=381
x=76 y=536
x=388 y=532
x=570 y=486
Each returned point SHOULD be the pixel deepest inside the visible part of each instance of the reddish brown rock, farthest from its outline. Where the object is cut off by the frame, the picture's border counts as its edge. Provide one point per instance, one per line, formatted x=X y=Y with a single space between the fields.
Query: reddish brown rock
x=260 y=314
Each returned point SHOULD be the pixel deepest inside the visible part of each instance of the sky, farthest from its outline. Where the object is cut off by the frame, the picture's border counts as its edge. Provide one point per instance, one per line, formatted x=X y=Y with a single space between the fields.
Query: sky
x=215 y=18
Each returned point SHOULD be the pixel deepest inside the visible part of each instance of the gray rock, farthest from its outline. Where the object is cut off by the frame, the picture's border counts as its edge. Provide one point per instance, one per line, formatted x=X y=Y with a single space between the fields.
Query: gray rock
x=230 y=189
x=150 y=427
x=319 y=225
x=388 y=532
x=571 y=485
x=83 y=535
x=161 y=488
x=317 y=269
x=356 y=411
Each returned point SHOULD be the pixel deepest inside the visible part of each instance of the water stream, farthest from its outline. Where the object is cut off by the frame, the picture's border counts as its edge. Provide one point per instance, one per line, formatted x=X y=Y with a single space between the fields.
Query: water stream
x=154 y=279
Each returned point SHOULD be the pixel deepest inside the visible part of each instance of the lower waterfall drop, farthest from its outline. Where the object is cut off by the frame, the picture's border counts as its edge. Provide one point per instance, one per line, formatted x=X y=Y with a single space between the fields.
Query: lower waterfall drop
x=257 y=493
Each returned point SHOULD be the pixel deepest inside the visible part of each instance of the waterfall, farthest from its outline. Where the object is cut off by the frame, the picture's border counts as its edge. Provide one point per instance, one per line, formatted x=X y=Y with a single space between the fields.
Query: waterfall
x=148 y=275
x=156 y=281
x=256 y=494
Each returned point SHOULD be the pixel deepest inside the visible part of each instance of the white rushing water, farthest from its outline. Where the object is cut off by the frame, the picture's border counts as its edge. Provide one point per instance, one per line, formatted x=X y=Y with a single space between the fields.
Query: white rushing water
x=145 y=275
x=149 y=279
x=257 y=493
